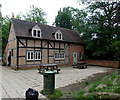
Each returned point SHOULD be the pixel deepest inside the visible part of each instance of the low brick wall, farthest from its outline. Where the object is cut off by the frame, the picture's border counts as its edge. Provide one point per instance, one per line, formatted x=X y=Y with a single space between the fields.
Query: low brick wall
x=36 y=67
x=114 y=64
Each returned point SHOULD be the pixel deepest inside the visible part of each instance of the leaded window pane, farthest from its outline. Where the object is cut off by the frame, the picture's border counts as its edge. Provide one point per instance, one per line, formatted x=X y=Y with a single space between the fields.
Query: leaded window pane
x=34 y=32
x=32 y=55
x=38 y=33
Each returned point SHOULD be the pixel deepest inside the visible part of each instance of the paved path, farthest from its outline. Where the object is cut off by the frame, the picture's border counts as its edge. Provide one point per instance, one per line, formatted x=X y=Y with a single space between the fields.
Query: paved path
x=14 y=83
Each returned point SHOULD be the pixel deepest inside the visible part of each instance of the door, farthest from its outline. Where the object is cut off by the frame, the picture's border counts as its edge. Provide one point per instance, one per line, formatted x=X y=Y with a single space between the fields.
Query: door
x=74 y=57
x=9 y=58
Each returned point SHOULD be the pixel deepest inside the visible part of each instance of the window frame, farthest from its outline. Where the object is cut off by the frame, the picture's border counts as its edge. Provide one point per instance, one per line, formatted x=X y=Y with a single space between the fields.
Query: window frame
x=30 y=52
x=58 y=36
x=38 y=52
x=59 y=55
x=33 y=57
x=38 y=31
x=81 y=55
x=12 y=52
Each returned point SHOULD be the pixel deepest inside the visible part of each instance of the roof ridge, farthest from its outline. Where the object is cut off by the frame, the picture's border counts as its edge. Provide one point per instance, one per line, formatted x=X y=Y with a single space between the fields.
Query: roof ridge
x=22 y=20
x=42 y=24
x=32 y=22
x=67 y=29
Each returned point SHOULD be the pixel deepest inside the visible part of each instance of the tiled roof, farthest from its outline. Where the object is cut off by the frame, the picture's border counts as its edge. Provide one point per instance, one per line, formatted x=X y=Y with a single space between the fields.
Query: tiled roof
x=22 y=29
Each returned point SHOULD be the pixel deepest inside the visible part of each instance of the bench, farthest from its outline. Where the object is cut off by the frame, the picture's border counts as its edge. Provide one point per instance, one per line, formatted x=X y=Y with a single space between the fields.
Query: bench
x=55 y=69
x=80 y=65
x=49 y=67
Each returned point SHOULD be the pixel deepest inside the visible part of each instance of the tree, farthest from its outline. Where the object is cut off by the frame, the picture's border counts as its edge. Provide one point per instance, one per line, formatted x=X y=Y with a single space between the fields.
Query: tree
x=102 y=34
x=35 y=14
x=79 y=20
x=64 y=17
x=71 y=18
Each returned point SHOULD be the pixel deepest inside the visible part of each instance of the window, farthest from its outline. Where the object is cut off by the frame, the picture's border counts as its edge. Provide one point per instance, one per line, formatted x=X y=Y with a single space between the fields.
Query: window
x=36 y=33
x=12 y=52
x=37 y=55
x=59 y=55
x=39 y=33
x=62 y=55
x=31 y=55
x=56 y=55
x=58 y=36
x=81 y=55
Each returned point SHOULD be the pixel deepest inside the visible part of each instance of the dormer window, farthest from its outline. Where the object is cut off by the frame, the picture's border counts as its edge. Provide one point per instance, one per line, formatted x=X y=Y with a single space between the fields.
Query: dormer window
x=58 y=35
x=36 y=32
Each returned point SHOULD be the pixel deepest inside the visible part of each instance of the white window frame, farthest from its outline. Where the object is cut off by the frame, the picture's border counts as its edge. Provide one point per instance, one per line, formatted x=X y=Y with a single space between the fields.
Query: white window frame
x=58 y=54
x=30 y=52
x=58 y=36
x=38 y=57
x=37 y=32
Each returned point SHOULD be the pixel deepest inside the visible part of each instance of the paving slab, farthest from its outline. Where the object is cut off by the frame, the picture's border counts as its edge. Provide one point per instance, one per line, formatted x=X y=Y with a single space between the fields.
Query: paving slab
x=14 y=83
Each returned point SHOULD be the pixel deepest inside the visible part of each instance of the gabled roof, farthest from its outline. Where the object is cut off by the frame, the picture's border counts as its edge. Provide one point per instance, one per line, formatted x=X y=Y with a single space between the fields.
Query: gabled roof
x=23 y=29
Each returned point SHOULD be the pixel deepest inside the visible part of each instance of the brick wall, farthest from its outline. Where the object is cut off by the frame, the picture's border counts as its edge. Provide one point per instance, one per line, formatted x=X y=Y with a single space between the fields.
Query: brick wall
x=36 y=67
x=78 y=49
x=114 y=64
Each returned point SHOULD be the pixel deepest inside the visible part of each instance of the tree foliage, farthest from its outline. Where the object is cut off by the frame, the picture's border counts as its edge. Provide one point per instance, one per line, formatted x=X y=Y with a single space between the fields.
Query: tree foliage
x=35 y=14
x=64 y=18
x=78 y=22
x=102 y=24
x=71 y=18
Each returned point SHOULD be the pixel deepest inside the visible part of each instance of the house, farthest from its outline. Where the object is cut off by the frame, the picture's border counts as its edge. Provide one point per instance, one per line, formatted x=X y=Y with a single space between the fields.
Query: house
x=30 y=44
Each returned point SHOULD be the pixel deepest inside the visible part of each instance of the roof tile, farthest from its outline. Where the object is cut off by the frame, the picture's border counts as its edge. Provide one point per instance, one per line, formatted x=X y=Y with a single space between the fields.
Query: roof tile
x=22 y=28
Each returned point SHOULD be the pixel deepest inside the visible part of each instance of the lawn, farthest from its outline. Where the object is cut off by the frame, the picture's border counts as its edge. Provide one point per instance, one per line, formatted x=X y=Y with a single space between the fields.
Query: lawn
x=106 y=87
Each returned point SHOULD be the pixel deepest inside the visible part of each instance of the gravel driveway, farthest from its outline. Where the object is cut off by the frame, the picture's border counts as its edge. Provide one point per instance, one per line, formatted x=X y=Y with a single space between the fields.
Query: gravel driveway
x=14 y=83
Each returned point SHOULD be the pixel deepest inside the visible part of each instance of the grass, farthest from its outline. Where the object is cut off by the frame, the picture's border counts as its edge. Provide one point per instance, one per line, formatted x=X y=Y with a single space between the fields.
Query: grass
x=109 y=84
x=80 y=94
x=55 y=95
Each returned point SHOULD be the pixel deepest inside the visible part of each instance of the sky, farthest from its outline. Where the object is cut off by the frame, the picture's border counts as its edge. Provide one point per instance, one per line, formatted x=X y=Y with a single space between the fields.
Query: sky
x=50 y=7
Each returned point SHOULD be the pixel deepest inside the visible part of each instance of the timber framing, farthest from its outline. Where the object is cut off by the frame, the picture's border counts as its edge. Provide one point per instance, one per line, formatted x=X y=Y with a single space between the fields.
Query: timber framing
x=48 y=45
x=50 y=50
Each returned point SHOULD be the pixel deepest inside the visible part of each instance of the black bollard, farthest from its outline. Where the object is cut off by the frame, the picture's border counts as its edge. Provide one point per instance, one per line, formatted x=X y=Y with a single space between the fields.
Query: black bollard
x=31 y=94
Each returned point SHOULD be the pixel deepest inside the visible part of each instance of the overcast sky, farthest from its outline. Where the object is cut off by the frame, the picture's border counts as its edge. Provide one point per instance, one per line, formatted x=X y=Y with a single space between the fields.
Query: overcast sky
x=51 y=7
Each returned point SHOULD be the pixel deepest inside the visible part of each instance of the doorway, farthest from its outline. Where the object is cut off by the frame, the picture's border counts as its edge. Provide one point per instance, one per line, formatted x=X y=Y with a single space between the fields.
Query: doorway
x=74 y=57
x=9 y=58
